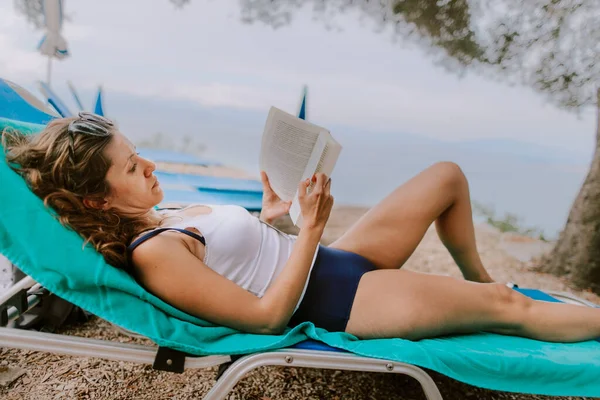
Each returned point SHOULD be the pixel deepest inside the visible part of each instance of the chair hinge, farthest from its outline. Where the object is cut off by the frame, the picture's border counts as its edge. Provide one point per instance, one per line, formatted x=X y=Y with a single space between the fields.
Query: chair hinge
x=169 y=360
x=18 y=300
x=225 y=366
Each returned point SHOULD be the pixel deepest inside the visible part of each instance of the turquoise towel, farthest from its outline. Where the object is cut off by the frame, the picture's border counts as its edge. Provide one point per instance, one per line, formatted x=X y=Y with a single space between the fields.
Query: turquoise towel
x=54 y=256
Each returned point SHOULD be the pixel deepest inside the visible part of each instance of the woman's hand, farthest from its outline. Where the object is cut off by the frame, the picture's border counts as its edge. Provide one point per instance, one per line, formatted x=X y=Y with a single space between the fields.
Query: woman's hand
x=272 y=206
x=316 y=205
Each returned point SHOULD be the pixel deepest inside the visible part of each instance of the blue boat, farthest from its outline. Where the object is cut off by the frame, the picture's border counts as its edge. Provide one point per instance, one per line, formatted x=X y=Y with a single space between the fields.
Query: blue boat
x=209 y=182
x=251 y=201
x=19 y=105
x=169 y=156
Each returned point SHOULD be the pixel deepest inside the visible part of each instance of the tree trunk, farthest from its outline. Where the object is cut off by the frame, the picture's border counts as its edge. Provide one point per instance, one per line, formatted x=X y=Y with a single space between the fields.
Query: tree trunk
x=577 y=252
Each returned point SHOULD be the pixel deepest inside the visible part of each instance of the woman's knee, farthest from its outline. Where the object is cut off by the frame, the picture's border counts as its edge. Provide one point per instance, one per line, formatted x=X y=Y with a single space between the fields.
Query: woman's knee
x=508 y=305
x=450 y=174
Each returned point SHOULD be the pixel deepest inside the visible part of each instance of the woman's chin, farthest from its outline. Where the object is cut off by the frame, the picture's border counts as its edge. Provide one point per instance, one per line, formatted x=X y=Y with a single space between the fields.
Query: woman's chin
x=159 y=196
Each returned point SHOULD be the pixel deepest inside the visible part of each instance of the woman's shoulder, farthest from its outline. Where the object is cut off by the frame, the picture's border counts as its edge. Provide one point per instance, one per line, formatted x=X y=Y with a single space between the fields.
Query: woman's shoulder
x=167 y=239
x=154 y=244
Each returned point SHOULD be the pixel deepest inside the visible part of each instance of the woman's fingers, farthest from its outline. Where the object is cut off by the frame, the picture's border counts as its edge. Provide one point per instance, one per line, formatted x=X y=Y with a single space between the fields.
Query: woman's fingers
x=265 y=180
x=321 y=180
x=302 y=186
x=316 y=205
x=327 y=189
x=321 y=184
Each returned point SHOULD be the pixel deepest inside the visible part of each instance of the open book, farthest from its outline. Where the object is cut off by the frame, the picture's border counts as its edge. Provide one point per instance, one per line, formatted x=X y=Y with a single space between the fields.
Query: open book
x=293 y=150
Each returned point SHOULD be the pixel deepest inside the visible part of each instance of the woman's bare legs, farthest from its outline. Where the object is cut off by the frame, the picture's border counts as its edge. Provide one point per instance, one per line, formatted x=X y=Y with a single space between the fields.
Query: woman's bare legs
x=398 y=303
x=456 y=231
x=389 y=232
x=412 y=305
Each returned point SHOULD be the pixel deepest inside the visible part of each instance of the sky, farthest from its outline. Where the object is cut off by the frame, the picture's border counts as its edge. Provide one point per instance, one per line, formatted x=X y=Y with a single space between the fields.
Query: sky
x=204 y=55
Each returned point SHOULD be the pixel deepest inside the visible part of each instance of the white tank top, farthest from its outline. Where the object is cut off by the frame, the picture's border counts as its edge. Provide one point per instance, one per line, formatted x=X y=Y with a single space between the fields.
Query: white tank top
x=242 y=248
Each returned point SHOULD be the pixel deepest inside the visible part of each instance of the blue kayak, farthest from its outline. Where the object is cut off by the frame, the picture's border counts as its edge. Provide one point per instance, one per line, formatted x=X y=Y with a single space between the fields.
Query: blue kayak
x=187 y=189
x=252 y=201
x=170 y=156
x=209 y=182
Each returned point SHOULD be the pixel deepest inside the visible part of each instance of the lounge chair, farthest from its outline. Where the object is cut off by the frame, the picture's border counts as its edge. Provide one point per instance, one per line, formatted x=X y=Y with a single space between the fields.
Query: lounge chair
x=56 y=260
x=307 y=353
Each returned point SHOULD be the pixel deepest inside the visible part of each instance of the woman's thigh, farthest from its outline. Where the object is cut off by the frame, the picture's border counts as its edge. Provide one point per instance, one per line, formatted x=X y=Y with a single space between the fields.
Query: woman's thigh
x=389 y=232
x=412 y=305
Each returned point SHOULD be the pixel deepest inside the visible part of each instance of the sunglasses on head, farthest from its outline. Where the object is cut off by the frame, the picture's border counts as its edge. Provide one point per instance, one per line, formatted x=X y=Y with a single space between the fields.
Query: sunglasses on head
x=91 y=124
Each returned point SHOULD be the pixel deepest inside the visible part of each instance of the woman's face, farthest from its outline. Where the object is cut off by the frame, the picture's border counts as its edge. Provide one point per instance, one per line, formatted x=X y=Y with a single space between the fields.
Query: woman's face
x=133 y=187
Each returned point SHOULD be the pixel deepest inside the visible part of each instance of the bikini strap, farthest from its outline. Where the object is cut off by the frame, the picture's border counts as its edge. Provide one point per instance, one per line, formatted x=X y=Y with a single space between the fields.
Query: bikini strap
x=155 y=232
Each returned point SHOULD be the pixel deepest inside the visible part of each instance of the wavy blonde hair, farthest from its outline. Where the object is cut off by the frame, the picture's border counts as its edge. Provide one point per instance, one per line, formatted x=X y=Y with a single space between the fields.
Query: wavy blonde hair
x=62 y=169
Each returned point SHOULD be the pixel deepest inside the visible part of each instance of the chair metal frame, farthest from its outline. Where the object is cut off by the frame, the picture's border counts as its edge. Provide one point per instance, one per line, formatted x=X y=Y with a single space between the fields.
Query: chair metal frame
x=23 y=296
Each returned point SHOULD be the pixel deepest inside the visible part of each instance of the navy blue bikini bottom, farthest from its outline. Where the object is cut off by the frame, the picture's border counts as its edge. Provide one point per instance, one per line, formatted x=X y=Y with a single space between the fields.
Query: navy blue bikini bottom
x=331 y=288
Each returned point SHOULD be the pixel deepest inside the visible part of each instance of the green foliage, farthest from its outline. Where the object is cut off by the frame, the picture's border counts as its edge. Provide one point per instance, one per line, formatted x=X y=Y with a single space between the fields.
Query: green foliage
x=447 y=24
x=509 y=223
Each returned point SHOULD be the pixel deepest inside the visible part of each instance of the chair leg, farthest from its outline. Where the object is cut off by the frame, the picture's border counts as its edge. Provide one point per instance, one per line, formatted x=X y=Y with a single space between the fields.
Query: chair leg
x=318 y=359
x=86 y=347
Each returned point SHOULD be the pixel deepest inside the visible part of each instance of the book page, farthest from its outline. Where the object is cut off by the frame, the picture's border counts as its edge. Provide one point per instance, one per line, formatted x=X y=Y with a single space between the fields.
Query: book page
x=287 y=146
x=324 y=158
x=330 y=155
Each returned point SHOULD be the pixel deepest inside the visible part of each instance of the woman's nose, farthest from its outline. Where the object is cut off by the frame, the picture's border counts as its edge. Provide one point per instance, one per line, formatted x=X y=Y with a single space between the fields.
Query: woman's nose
x=150 y=167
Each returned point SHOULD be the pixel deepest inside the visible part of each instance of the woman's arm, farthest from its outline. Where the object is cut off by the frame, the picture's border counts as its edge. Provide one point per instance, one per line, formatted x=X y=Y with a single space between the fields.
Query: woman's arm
x=284 y=292
x=168 y=269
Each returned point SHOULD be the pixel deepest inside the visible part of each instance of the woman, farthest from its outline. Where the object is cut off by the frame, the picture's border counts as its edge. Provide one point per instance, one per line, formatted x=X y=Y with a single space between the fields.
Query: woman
x=226 y=266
